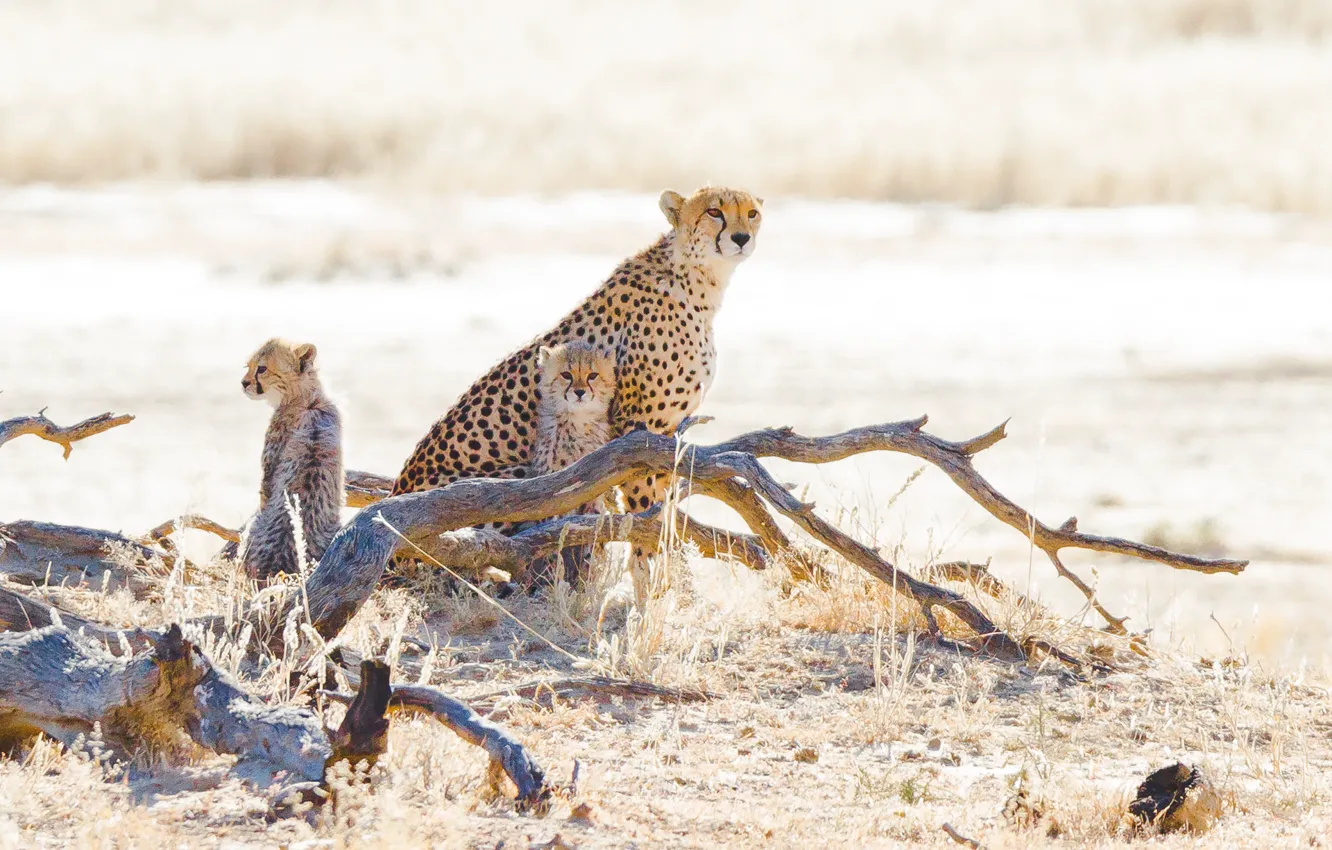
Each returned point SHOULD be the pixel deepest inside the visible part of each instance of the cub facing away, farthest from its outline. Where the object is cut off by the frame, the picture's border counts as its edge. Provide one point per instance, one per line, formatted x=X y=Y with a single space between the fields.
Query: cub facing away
x=301 y=460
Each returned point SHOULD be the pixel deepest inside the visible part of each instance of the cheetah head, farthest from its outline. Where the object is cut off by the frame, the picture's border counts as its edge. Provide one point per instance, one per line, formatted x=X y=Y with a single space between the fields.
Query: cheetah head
x=714 y=224
x=276 y=368
x=576 y=374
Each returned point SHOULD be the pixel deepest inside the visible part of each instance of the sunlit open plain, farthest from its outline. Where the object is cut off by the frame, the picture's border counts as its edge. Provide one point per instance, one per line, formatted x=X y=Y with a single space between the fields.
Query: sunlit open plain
x=1162 y=370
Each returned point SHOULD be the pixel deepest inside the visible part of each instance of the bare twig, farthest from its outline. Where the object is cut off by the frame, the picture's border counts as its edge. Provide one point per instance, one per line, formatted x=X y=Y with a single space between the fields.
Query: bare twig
x=960 y=838
x=202 y=523
x=475 y=550
x=366 y=488
x=597 y=686
x=40 y=553
x=67 y=436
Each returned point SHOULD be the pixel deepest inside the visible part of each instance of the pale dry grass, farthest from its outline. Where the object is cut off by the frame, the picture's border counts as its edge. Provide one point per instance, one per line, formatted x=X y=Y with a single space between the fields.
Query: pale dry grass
x=837 y=724
x=1095 y=102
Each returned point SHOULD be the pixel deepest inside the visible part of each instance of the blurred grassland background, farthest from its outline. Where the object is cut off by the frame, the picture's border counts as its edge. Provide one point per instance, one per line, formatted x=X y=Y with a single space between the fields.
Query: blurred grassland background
x=977 y=102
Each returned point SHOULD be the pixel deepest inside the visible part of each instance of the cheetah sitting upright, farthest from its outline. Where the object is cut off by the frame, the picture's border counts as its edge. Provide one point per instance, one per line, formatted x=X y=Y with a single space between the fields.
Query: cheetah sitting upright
x=653 y=317
x=302 y=459
x=577 y=385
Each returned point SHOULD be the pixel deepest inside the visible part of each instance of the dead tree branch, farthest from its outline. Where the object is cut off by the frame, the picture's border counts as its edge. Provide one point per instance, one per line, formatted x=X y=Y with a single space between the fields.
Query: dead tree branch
x=195 y=521
x=19 y=613
x=954 y=459
x=475 y=550
x=507 y=756
x=51 y=681
x=355 y=560
x=40 y=553
x=67 y=436
x=366 y=488
x=598 y=687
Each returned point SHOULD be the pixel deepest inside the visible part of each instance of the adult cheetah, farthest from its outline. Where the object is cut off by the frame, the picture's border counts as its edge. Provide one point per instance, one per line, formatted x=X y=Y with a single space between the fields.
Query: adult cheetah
x=653 y=316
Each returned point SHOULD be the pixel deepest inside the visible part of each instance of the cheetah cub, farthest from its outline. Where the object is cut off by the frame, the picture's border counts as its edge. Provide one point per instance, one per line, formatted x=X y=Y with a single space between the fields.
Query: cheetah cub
x=577 y=384
x=302 y=460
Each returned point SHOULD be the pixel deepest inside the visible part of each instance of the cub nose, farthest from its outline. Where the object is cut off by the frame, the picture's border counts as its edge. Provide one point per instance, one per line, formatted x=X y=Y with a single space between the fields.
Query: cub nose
x=580 y=394
x=245 y=383
x=740 y=238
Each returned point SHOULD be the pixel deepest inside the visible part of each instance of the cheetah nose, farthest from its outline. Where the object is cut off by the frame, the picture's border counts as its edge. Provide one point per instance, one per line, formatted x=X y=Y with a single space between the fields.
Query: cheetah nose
x=740 y=239
x=245 y=383
x=580 y=394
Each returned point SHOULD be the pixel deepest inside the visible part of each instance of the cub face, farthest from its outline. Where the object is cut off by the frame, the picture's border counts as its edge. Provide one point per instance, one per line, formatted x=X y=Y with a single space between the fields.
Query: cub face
x=276 y=368
x=576 y=375
x=714 y=223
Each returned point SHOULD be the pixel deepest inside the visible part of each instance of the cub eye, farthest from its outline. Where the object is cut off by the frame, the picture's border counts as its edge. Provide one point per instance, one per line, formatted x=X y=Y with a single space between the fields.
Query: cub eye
x=260 y=370
x=591 y=376
x=753 y=213
x=714 y=212
x=568 y=376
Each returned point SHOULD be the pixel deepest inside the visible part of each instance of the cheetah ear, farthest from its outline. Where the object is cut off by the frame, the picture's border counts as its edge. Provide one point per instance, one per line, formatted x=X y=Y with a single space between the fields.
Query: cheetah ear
x=544 y=353
x=670 y=203
x=305 y=353
x=758 y=200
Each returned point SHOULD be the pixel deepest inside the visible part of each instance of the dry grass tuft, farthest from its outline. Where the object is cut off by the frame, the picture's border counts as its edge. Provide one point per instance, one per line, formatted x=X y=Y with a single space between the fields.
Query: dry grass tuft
x=1098 y=102
x=837 y=720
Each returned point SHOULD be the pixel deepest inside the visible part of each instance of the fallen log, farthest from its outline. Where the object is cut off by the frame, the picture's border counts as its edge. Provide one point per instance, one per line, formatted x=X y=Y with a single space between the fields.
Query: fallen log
x=355 y=560
x=56 y=683
x=41 y=553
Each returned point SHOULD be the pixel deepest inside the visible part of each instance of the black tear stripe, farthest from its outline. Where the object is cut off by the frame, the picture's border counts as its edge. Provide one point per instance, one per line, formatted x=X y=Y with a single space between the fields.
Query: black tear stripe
x=720 y=232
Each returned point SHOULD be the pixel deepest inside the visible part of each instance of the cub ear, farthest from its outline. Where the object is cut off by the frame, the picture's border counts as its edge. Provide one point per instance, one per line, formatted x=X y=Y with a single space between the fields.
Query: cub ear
x=670 y=204
x=305 y=353
x=758 y=200
x=544 y=353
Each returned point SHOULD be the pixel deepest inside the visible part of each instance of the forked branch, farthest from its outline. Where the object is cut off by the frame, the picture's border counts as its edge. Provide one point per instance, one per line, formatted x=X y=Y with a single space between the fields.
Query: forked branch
x=508 y=757
x=65 y=436
x=954 y=458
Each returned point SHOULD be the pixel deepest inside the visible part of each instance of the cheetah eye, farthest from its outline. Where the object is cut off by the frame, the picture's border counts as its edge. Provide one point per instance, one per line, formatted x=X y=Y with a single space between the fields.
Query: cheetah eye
x=753 y=213
x=568 y=376
x=715 y=213
x=260 y=370
x=591 y=376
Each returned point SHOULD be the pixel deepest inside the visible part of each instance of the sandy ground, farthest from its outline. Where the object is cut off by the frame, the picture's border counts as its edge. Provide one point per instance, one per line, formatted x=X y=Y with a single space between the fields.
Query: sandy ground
x=1163 y=370
x=1164 y=376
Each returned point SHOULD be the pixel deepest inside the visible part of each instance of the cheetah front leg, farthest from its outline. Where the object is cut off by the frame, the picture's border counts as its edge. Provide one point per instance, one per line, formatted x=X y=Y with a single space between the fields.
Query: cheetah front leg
x=639 y=495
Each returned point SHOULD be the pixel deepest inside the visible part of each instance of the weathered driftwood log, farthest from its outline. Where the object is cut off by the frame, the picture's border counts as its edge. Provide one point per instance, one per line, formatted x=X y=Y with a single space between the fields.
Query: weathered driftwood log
x=507 y=756
x=355 y=560
x=67 y=436
x=54 y=682
x=19 y=613
x=40 y=553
